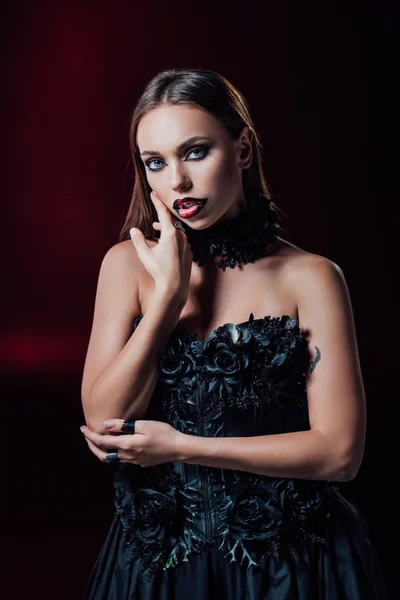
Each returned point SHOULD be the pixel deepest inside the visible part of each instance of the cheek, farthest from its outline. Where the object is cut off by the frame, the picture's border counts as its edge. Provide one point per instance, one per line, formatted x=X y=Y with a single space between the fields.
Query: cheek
x=156 y=183
x=225 y=174
x=221 y=169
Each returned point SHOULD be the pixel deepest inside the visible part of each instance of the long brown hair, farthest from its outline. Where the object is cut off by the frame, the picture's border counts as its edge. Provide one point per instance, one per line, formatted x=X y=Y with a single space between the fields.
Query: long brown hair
x=199 y=88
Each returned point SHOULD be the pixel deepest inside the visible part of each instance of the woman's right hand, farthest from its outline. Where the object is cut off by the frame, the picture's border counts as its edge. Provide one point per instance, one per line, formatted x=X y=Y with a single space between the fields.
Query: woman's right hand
x=169 y=262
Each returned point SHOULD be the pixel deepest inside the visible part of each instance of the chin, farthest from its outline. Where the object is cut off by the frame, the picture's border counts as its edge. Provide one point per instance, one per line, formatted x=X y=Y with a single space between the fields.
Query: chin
x=201 y=224
x=205 y=221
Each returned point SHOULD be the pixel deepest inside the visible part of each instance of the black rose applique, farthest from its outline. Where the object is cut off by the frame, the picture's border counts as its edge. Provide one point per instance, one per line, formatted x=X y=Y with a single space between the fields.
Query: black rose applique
x=247 y=514
x=228 y=369
x=257 y=363
x=283 y=342
x=283 y=364
x=266 y=516
x=177 y=382
x=157 y=511
x=177 y=363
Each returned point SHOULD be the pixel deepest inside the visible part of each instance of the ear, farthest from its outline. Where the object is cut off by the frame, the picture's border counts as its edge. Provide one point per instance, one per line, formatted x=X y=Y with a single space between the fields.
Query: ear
x=245 y=148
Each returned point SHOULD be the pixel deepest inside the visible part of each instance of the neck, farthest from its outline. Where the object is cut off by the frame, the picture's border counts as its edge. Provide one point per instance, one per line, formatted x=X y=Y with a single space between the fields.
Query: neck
x=237 y=240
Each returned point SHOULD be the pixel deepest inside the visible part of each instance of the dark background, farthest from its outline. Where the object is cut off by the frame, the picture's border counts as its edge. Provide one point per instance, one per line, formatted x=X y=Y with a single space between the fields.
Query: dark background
x=320 y=80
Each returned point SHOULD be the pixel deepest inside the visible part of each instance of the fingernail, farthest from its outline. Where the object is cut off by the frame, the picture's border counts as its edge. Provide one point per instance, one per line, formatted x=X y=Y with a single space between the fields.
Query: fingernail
x=82 y=428
x=108 y=424
x=133 y=230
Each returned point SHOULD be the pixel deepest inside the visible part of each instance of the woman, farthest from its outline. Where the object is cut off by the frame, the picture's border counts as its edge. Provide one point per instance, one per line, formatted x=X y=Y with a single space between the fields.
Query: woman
x=223 y=393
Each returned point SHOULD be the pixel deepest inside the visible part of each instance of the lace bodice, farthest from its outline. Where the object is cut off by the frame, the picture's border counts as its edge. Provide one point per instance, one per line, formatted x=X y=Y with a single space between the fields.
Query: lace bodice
x=244 y=379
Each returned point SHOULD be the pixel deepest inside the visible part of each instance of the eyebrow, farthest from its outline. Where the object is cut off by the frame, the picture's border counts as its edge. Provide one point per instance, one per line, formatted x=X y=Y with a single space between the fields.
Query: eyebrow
x=181 y=147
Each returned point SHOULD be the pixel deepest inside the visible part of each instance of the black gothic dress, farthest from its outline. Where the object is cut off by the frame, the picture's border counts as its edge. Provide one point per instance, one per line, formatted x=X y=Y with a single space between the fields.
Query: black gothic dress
x=184 y=531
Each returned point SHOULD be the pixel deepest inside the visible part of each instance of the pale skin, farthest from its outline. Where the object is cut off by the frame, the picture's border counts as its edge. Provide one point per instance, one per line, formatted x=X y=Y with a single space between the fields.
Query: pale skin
x=288 y=280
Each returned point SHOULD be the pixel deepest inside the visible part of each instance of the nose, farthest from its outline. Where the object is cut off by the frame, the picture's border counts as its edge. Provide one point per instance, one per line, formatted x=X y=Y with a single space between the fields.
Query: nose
x=179 y=179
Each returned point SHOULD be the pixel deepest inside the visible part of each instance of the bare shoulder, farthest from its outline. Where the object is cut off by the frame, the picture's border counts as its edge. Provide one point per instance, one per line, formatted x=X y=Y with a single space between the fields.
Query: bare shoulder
x=120 y=255
x=119 y=280
x=305 y=269
x=316 y=283
x=121 y=269
x=301 y=266
x=320 y=290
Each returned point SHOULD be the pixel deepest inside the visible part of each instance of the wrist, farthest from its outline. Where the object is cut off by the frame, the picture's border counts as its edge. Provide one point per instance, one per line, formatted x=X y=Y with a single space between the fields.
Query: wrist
x=191 y=448
x=166 y=294
x=182 y=447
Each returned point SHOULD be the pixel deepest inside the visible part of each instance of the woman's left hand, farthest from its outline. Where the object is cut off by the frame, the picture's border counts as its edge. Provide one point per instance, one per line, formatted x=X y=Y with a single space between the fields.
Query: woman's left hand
x=153 y=442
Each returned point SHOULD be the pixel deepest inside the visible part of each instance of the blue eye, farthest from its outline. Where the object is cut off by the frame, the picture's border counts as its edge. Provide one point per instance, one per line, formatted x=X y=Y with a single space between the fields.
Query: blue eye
x=151 y=161
x=202 y=149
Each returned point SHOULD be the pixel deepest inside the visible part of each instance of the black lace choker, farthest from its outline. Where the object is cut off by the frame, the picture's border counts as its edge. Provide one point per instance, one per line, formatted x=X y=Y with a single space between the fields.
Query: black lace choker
x=239 y=240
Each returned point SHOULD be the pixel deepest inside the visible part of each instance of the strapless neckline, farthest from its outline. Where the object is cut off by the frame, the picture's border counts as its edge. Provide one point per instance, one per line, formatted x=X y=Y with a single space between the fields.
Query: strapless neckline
x=281 y=320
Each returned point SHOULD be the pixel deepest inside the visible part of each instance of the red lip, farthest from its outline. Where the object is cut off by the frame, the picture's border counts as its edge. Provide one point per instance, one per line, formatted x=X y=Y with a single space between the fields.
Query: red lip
x=178 y=203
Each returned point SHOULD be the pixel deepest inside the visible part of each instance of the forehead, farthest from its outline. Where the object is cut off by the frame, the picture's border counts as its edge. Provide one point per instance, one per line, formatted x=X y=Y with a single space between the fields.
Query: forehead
x=168 y=126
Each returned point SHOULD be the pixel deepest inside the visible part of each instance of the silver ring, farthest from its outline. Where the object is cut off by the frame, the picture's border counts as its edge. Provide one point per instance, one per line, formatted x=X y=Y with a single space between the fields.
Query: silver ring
x=112 y=456
x=178 y=225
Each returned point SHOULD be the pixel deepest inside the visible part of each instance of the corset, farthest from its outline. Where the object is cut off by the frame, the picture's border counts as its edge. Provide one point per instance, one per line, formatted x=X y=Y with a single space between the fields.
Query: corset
x=246 y=379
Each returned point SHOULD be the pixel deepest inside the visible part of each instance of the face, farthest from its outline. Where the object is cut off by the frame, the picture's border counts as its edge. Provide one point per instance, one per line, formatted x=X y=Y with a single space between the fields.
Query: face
x=209 y=167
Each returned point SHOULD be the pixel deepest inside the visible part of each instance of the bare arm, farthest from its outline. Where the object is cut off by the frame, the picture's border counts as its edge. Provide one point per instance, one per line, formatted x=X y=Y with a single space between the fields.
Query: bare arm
x=333 y=447
x=121 y=367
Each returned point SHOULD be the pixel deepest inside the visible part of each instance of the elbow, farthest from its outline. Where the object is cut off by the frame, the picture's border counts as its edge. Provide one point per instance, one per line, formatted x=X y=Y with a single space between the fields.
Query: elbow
x=346 y=467
x=346 y=472
x=342 y=458
x=98 y=428
x=95 y=424
x=93 y=420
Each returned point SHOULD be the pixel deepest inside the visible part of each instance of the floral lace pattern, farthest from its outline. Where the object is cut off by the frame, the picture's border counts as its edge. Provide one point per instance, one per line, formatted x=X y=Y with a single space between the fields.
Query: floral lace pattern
x=269 y=516
x=157 y=515
x=259 y=364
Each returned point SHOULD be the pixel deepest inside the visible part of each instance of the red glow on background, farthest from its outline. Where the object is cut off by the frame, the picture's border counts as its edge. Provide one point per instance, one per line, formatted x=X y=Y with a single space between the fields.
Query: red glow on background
x=63 y=352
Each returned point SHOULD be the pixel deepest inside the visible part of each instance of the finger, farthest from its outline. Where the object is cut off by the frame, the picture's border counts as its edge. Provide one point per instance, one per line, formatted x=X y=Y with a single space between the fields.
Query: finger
x=170 y=217
x=120 y=426
x=154 y=197
x=104 y=441
x=139 y=241
x=113 y=425
x=101 y=454
x=163 y=213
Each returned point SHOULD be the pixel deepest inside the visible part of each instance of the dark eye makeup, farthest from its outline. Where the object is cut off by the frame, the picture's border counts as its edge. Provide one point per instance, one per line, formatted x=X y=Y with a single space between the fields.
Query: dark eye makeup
x=204 y=149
